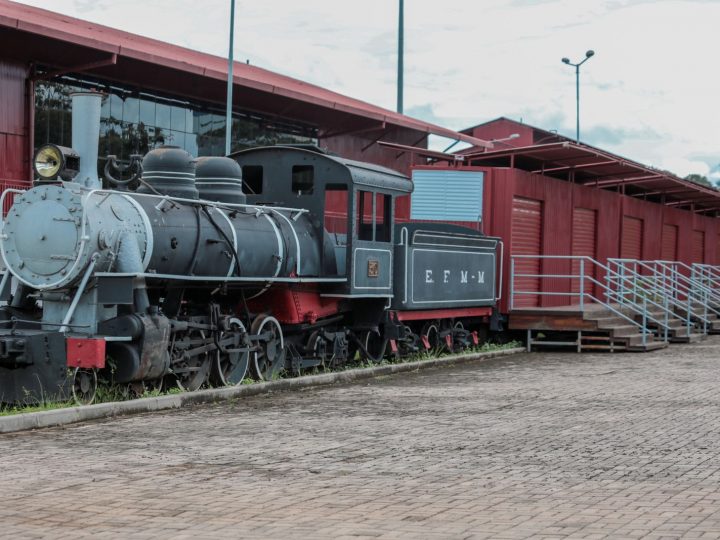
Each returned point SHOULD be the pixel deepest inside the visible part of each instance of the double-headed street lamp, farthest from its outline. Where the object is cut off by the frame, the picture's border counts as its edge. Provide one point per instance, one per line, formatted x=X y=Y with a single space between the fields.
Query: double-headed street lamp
x=588 y=55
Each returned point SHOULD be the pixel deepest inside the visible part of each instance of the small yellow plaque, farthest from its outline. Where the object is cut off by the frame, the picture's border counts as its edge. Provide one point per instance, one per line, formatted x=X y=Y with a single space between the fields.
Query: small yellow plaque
x=373 y=268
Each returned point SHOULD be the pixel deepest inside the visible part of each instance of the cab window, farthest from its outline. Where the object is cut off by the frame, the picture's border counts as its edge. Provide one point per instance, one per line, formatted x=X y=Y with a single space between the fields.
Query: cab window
x=373 y=216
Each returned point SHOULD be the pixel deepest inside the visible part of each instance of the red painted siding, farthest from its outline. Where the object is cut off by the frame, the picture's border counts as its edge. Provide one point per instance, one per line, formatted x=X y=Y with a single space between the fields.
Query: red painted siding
x=527 y=220
x=14 y=150
x=698 y=247
x=668 y=251
x=584 y=234
x=631 y=242
x=503 y=128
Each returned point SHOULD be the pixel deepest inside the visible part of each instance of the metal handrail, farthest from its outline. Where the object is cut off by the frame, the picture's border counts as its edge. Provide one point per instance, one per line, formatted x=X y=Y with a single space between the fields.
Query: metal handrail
x=659 y=286
x=638 y=309
x=696 y=292
x=683 y=291
x=708 y=275
x=693 y=286
x=645 y=285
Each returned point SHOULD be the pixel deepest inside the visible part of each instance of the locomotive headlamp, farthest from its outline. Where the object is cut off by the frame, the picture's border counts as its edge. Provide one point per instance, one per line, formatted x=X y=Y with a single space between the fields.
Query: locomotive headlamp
x=51 y=161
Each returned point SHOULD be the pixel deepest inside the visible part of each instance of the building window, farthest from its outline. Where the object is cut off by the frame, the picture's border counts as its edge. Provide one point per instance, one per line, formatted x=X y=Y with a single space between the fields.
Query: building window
x=133 y=122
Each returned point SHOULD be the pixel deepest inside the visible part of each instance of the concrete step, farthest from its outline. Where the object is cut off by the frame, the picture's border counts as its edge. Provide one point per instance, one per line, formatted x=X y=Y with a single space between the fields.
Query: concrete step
x=687 y=338
x=696 y=313
x=621 y=331
x=607 y=322
x=672 y=322
x=650 y=346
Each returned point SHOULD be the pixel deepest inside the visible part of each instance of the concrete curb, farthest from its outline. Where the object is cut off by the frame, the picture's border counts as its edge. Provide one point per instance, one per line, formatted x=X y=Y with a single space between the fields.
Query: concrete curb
x=72 y=415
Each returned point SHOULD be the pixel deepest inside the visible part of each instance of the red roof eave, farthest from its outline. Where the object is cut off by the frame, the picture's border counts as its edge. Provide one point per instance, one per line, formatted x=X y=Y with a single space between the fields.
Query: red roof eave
x=625 y=168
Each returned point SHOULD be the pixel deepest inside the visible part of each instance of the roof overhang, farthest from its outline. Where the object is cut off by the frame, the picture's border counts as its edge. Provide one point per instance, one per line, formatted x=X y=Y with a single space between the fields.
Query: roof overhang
x=591 y=167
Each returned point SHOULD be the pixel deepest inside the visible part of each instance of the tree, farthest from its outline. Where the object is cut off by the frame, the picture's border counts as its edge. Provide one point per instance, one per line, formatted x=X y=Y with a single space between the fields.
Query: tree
x=699 y=179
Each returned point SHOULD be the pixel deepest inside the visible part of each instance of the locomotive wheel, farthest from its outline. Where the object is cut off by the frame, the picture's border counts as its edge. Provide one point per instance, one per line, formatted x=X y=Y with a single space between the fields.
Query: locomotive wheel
x=229 y=369
x=269 y=359
x=446 y=336
x=317 y=348
x=191 y=372
x=84 y=385
x=374 y=345
x=431 y=332
x=458 y=328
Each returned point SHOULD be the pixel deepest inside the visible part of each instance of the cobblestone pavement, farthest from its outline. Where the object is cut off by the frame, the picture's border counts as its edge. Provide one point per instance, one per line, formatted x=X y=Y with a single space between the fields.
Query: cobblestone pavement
x=543 y=446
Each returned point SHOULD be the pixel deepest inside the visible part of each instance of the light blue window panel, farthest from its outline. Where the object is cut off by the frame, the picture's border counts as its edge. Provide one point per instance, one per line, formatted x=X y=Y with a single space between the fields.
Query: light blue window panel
x=447 y=195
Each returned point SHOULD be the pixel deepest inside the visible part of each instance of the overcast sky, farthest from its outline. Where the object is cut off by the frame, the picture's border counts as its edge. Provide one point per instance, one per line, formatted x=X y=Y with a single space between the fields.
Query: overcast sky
x=650 y=93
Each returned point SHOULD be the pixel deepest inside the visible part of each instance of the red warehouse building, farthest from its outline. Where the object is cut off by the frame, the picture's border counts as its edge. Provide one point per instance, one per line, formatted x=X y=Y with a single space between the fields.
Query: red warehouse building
x=546 y=195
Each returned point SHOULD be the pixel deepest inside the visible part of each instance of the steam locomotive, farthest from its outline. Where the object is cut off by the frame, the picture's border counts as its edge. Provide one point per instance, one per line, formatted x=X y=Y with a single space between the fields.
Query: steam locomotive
x=175 y=274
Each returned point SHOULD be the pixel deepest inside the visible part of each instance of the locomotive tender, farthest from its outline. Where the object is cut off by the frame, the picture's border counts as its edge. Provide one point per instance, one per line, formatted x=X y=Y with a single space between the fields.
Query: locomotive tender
x=189 y=279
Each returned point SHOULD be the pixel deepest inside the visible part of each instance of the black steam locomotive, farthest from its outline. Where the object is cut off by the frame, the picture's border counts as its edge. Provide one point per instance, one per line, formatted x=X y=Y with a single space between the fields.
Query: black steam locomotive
x=193 y=272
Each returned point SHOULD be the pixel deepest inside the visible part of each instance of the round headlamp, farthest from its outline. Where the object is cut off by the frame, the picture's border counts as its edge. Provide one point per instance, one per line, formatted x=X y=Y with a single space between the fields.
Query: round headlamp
x=51 y=161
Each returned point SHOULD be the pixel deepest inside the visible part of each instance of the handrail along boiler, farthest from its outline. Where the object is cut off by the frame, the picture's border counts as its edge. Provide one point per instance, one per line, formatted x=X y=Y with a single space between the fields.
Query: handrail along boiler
x=194 y=271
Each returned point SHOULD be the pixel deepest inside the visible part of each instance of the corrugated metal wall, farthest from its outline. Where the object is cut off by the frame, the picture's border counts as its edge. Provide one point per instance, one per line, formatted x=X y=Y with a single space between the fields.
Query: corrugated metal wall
x=14 y=149
x=668 y=250
x=527 y=219
x=698 y=246
x=618 y=220
x=631 y=241
x=584 y=234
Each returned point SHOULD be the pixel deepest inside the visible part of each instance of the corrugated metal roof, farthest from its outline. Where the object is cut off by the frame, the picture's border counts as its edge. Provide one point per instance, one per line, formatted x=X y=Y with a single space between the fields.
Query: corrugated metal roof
x=592 y=167
x=102 y=38
x=581 y=163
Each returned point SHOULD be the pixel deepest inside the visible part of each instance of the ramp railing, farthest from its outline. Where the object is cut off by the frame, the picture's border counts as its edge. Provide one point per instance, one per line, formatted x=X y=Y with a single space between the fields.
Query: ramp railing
x=708 y=276
x=690 y=293
x=662 y=281
x=603 y=282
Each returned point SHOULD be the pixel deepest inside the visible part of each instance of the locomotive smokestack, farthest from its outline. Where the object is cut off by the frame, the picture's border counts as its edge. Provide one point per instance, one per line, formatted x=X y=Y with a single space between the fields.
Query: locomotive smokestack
x=86 y=135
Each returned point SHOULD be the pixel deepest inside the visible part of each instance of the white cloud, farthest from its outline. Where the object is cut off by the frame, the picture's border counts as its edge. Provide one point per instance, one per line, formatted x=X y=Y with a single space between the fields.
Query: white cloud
x=652 y=81
x=682 y=167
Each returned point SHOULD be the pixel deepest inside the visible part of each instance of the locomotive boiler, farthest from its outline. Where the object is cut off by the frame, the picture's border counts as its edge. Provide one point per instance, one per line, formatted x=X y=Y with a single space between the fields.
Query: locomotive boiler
x=174 y=273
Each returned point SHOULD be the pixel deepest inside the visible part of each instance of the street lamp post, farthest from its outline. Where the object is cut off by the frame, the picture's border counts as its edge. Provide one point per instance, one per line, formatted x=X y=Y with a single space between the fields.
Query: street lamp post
x=229 y=100
x=401 y=53
x=588 y=55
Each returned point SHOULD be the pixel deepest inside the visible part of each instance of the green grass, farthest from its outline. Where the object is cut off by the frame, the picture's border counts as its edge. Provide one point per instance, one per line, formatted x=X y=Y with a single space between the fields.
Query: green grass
x=45 y=406
x=107 y=394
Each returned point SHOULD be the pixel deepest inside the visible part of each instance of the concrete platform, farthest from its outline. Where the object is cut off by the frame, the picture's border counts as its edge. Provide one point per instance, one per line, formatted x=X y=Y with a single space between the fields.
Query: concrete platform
x=541 y=445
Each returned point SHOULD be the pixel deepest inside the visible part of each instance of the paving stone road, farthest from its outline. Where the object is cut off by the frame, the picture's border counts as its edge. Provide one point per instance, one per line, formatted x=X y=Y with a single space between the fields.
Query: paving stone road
x=531 y=446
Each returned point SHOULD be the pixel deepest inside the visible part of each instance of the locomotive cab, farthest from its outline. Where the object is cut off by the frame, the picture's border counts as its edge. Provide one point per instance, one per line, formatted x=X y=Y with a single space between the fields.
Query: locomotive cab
x=351 y=204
